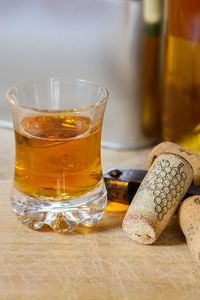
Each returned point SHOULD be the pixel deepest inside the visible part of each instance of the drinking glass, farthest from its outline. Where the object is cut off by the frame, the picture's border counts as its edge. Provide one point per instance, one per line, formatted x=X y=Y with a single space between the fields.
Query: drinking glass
x=58 y=177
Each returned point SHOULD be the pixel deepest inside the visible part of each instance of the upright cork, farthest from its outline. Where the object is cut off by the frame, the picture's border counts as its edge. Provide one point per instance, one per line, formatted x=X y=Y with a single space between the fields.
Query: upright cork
x=189 y=220
x=157 y=198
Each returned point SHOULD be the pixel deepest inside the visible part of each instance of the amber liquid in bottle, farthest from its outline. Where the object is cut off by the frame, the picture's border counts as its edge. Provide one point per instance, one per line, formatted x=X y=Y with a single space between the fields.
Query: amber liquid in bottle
x=181 y=88
x=57 y=157
x=150 y=71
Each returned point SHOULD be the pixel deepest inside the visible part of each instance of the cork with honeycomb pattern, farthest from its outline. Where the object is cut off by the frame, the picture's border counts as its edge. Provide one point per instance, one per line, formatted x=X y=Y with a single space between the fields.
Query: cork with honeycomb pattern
x=158 y=197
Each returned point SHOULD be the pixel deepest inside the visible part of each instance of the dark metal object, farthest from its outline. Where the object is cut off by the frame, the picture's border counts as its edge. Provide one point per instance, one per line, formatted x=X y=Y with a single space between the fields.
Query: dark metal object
x=122 y=184
x=115 y=173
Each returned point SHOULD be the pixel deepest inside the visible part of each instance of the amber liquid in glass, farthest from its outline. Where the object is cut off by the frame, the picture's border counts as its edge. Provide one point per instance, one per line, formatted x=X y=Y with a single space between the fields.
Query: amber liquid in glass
x=57 y=157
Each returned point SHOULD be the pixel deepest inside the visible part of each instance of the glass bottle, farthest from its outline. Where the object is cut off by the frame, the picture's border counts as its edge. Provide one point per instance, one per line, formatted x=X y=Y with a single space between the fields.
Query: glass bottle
x=181 y=74
x=150 y=90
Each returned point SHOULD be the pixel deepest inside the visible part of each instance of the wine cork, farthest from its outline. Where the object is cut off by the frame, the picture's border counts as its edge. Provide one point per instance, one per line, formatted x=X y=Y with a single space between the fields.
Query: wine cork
x=157 y=198
x=191 y=157
x=189 y=220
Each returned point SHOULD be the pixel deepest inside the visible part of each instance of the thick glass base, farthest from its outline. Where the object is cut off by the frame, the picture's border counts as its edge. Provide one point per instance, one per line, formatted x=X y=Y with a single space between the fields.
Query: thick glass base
x=61 y=216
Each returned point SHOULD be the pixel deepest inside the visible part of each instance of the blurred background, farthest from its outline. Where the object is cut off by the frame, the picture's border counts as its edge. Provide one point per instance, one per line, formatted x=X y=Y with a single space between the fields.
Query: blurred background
x=145 y=52
x=99 y=40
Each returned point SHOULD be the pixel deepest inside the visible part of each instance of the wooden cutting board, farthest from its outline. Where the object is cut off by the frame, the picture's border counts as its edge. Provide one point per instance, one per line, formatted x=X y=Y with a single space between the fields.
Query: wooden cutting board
x=91 y=263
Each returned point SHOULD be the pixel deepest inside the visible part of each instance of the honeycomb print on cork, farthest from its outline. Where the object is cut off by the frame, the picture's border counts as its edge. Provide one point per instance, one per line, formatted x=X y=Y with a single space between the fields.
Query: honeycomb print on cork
x=167 y=184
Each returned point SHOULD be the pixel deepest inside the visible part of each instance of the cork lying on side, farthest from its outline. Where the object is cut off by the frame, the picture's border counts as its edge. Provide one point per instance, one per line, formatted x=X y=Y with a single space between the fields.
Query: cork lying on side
x=189 y=220
x=193 y=158
x=157 y=198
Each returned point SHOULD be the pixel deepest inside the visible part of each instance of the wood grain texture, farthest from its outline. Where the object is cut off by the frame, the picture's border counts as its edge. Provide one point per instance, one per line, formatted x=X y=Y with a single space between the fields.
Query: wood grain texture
x=93 y=263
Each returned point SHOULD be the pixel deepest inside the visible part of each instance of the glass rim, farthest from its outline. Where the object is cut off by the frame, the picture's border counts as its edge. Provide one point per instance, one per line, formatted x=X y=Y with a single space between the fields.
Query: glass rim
x=82 y=108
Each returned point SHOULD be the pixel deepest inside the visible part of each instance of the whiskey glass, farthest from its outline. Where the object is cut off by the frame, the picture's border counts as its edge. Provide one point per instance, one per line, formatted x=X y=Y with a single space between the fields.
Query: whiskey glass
x=58 y=176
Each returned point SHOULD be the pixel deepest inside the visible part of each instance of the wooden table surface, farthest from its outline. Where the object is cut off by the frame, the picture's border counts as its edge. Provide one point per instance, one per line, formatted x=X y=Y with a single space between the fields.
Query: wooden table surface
x=91 y=263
